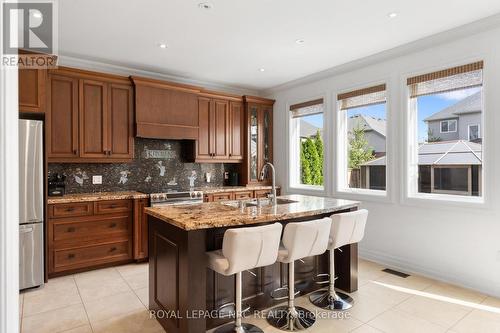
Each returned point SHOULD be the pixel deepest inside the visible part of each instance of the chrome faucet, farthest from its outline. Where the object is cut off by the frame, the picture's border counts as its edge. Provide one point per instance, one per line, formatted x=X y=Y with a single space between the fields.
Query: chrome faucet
x=273 y=173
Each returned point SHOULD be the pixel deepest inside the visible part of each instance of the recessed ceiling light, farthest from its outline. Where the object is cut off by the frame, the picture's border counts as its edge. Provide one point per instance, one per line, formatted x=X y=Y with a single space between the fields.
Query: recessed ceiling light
x=162 y=45
x=392 y=15
x=205 y=5
x=299 y=41
x=36 y=14
x=262 y=69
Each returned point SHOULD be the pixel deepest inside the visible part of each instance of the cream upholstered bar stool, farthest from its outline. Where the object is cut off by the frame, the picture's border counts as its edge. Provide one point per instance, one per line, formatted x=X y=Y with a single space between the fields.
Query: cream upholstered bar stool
x=347 y=228
x=244 y=249
x=300 y=240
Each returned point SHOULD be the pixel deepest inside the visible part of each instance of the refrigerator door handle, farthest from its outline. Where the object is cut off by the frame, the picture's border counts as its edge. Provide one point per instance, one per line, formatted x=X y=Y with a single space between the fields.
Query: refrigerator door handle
x=25 y=230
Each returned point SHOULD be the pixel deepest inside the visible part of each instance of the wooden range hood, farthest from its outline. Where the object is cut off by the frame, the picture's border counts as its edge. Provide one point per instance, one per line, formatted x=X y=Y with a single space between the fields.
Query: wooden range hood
x=165 y=110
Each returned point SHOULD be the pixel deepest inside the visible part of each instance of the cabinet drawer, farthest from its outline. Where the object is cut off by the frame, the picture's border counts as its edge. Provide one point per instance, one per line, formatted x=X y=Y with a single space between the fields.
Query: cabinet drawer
x=71 y=209
x=222 y=196
x=262 y=193
x=91 y=255
x=81 y=231
x=113 y=206
x=243 y=195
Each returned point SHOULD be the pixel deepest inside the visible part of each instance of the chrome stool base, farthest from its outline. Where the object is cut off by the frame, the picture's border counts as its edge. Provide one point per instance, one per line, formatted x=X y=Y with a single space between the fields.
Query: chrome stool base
x=244 y=328
x=282 y=318
x=324 y=300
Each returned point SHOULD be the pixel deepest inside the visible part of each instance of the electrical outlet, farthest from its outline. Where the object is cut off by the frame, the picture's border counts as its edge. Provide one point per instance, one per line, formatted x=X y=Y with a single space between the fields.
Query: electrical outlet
x=96 y=180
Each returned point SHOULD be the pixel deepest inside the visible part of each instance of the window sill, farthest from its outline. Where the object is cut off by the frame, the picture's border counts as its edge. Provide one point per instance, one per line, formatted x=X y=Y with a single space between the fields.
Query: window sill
x=364 y=194
x=313 y=189
x=445 y=200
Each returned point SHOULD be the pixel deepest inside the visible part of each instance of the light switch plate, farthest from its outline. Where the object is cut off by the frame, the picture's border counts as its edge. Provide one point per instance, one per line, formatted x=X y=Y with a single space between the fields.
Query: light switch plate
x=96 y=180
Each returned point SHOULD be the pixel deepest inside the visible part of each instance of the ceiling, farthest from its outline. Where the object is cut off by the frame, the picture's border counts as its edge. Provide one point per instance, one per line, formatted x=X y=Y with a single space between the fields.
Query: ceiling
x=229 y=43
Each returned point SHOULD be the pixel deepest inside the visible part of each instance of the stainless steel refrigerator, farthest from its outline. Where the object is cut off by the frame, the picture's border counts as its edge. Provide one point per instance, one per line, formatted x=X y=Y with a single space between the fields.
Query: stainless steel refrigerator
x=31 y=217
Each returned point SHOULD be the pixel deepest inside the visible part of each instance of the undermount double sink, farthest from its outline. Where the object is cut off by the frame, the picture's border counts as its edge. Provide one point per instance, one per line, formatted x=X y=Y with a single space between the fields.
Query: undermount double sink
x=257 y=202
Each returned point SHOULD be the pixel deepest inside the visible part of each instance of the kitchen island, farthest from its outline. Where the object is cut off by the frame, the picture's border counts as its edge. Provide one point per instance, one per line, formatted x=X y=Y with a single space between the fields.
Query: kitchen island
x=185 y=294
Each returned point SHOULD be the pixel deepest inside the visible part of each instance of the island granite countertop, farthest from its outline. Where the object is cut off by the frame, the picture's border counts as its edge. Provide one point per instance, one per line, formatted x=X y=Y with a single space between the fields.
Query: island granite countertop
x=217 y=214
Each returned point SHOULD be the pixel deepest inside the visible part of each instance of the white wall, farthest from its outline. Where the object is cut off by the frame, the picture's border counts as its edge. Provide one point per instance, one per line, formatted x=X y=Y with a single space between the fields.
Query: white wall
x=455 y=243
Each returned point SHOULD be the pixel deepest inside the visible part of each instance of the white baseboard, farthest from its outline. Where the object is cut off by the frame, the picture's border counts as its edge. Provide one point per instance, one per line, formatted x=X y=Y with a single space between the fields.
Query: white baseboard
x=406 y=266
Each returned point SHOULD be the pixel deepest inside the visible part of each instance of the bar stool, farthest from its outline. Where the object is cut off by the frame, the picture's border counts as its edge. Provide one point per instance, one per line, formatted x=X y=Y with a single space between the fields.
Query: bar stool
x=244 y=249
x=300 y=240
x=347 y=228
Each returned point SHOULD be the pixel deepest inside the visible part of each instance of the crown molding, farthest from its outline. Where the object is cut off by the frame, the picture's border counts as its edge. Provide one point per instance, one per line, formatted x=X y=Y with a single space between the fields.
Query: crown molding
x=81 y=62
x=447 y=36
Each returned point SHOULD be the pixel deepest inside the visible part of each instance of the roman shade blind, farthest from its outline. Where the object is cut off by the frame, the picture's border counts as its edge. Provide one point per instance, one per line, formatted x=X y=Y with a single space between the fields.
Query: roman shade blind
x=456 y=78
x=362 y=97
x=307 y=108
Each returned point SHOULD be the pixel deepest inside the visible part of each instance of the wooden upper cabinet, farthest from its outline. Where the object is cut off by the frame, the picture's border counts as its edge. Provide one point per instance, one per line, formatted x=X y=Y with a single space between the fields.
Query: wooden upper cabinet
x=93 y=119
x=89 y=118
x=258 y=139
x=213 y=132
x=120 y=120
x=165 y=110
x=32 y=84
x=221 y=129
x=62 y=117
x=205 y=132
x=236 y=121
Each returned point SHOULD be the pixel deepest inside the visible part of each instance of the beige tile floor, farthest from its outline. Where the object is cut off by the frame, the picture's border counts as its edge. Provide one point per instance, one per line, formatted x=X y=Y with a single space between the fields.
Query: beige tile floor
x=114 y=300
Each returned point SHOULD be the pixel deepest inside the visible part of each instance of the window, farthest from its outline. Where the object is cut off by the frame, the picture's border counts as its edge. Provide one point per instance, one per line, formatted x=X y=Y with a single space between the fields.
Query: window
x=474 y=132
x=362 y=139
x=446 y=112
x=448 y=126
x=306 y=144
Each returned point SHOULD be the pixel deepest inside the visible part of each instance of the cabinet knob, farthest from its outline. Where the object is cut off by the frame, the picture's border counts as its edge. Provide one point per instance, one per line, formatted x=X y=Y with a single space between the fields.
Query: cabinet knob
x=71 y=229
x=113 y=249
x=112 y=225
x=75 y=152
x=71 y=256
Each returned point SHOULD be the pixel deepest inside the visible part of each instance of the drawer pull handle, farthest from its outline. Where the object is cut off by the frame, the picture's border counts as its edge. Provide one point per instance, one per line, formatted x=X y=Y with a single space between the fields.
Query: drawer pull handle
x=112 y=225
x=71 y=229
x=71 y=256
x=113 y=249
x=70 y=209
x=113 y=206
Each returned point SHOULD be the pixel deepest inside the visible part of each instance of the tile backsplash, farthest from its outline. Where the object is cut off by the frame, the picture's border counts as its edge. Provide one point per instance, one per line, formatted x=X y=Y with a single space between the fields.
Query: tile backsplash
x=158 y=166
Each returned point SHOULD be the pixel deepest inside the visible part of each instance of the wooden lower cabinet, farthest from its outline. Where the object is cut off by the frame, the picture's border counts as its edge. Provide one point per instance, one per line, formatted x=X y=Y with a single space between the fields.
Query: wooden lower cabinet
x=87 y=235
x=140 y=229
x=239 y=195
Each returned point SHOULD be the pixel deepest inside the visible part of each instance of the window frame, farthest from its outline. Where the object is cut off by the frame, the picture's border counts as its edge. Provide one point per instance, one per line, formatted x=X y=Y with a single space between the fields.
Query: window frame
x=448 y=121
x=292 y=172
x=478 y=131
x=409 y=194
x=341 y=188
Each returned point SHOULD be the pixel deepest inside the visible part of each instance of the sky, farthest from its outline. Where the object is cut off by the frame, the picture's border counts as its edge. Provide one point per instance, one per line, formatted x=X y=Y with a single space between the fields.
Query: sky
x=427 y=105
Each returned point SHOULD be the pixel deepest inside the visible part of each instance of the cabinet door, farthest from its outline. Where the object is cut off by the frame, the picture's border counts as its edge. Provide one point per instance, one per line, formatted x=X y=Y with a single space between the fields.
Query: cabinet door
x=236 y=119
x=253 y=145
x=120 y=121
x=93 y=119
x=62 y=117
x=266 y=142
x=221 y=129
x=32 y=90
x=205 y=132
x=140 y=229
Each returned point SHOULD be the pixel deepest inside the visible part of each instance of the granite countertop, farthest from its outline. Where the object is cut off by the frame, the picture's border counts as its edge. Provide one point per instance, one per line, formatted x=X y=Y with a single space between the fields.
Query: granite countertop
x=96 y=197
x=216 y=214
x=221 y=189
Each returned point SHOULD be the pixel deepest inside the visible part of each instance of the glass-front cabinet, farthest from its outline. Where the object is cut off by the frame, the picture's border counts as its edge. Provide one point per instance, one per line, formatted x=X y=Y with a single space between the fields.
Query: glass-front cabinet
x=259 y=115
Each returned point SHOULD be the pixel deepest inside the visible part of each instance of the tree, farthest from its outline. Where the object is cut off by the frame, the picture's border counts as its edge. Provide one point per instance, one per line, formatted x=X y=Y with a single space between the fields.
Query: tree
x=431 y=137
x=359 y=151
x=318 y=140
x=305 y=167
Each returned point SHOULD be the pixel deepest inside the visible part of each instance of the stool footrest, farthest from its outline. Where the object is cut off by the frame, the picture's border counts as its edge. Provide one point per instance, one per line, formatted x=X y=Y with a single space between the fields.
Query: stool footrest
x=228 y=310
x=280 y=294
x=323 y=278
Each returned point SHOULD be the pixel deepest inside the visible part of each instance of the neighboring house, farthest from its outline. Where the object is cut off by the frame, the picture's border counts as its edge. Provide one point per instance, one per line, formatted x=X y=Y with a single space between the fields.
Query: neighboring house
x=460 y=121
x=452 y=167
x=374 y=128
